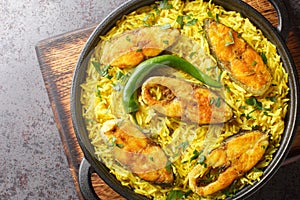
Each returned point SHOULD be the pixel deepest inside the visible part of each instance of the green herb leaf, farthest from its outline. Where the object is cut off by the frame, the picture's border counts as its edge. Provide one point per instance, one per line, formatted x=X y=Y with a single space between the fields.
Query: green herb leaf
x=192 y=54
x=183 y=146
x=192 y=22
x=232 y=39
x=175 y=195
x=168 y=166
x=242 y=107
x=98 y=94
x=211 y=101
x=97 y=66
x=210 y=14
x=195 y=155
x=157 y=11
x=139 y=50
x=273 y=99
x=179 y=20
x=120 y=145
x=165 y=5
x=217 y=18
x=267 y=114
x=227 y=88
x=211 y=68
x=256 y=127
x=128 y=38
x=218 y=102
x=254 y=63
x=119 y=75
x=264 y=58
x=103 y=71
x=201 y=159
x=251 y=101
x=166 y=42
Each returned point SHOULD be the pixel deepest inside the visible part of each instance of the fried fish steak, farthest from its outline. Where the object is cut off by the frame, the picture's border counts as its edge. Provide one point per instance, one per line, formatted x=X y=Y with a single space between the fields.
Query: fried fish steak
x=230 y=161
x=243 y=64
x=132 y=47
x=137 y=152
x=184 y=100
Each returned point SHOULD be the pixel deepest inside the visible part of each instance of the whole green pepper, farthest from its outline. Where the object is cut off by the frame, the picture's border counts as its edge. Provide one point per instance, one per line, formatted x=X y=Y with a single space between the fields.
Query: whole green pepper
x=129 y=96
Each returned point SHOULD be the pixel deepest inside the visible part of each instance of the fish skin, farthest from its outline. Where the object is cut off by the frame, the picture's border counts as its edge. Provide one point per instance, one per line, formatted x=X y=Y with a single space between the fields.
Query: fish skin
x=243 y=64
x=233 y=159
x=137 y=152
x=186 y=101
x=130 y=48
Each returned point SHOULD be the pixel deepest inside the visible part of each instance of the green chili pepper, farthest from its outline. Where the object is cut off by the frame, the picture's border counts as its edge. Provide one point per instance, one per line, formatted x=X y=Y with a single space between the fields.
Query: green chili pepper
x=143 y=69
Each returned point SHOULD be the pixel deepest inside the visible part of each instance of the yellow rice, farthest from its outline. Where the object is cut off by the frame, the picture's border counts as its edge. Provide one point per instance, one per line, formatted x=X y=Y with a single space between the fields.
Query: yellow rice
x=98 y=96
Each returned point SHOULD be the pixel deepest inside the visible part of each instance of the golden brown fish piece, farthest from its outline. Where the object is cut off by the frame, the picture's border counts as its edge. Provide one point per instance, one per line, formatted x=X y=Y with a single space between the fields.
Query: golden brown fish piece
x=132 y=47
x=230 y=161
x=184 y=100
x=137 y=152
x=244 y=65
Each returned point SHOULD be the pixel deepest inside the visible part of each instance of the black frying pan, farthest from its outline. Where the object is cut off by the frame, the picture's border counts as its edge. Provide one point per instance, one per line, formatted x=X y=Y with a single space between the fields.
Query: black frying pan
x=276 y=35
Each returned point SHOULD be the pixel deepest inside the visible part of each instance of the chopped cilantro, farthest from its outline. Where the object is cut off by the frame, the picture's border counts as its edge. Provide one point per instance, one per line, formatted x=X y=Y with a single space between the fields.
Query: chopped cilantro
x=120 y=145
x=155 y=8
x=252 y=101
x=254 y=63
x=212 y=101
x=175 y=195
x=218 y=102
x=168 y=166
x=98 y=94
x=166 y=42
x=211 y=67
x=148 y=18
x=192 y=22
x=255 y=127
x=128 y=38
x=242 y=107
x=273 y=99
x=264 y=58
x=217 y=18
x=119 y=75
x=232 y=39
x=165 y=5
x=210 y=14
x=179 y=20
x=102 y=70
x=183 y=145
x=195 y=155
x=201 y=159
x=227 y=88
x=192 y=54
x=139 y=50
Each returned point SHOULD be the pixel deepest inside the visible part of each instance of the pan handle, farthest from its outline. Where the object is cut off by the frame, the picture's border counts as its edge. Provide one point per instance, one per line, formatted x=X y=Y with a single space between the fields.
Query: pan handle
x=85 y=182
x=283 y=18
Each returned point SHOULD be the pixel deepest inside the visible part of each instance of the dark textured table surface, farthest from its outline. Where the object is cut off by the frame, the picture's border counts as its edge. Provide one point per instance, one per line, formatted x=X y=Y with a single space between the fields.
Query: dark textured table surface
x=33 y=162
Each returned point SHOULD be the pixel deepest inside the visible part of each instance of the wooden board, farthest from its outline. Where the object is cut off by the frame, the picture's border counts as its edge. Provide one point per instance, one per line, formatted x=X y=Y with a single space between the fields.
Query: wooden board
x=58 y=56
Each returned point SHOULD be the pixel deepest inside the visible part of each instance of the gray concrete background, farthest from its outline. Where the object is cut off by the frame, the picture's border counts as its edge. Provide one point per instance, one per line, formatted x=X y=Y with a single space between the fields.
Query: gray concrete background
x=33 y=163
